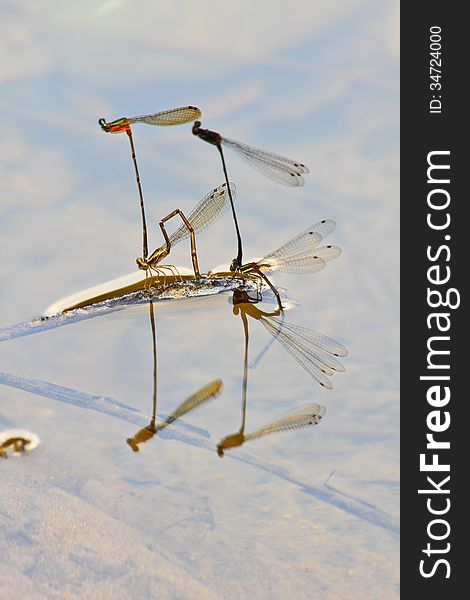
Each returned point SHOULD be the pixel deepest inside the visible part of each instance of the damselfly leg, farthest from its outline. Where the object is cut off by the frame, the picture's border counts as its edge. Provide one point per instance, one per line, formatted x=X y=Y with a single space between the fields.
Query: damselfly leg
x=190 y=228
x=208 y=211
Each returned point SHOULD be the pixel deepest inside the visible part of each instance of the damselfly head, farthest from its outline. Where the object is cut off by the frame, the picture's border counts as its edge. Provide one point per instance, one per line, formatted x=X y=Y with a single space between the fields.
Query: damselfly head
x=117 y=126
x=241 y=296
x=234 y=266
x=142 y=264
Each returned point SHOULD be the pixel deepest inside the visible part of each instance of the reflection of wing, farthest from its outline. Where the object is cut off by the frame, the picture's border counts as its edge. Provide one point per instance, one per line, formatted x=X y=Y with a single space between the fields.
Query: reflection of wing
x=209 y=210
x=296 y=418
x=313 y=350
x=205 y=393
x=254 y=363
x=174 y=116
x=281 y=169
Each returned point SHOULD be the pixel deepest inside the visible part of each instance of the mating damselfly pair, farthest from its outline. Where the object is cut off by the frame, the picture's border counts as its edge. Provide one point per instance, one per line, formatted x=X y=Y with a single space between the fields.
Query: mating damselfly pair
x=279 y=168
x=304 y=253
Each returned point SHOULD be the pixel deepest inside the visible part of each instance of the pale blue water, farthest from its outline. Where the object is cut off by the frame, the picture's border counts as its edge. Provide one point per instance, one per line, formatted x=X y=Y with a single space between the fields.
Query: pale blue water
x=85 y=516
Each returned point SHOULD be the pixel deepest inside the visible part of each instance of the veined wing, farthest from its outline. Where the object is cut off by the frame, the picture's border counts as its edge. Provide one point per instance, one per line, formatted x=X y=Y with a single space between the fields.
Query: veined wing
x=205 y=393
x=173 y=116
x=304 y=262
x=296 y=418
x=310 y=336
x=211 y=208
x=305 y=241
x=312 y=350
x=281 y=169
x=254 y=363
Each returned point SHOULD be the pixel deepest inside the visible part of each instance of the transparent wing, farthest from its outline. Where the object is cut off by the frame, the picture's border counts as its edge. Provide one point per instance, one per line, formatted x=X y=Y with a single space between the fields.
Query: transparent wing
x=301 y=263
x=296 y=418
x=205 y=393
x=281 y=169
x=174 y=116
x=314 y=351
x=254 y=363
x=313 y=337
x=208 y=211
x=305 y=241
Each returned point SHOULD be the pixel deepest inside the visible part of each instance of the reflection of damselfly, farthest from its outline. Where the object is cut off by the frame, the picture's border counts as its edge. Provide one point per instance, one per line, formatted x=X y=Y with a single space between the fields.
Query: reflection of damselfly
x=296 y=418
x=314 y=351
x=200 y=397
x=174 y=116
x=301 y=254
x=277 y=167
x=301 y=416
x=208 y=211
x=207 y=392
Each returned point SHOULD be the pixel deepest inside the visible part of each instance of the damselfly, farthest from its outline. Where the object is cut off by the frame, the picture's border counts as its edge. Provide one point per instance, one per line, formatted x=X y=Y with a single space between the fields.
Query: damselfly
x=315 y=352
x=214 y=138
x=301 y=254
x=281 y=169
x=296 y=418
x=208 y=211
x=209 y=391
x=174 y=116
